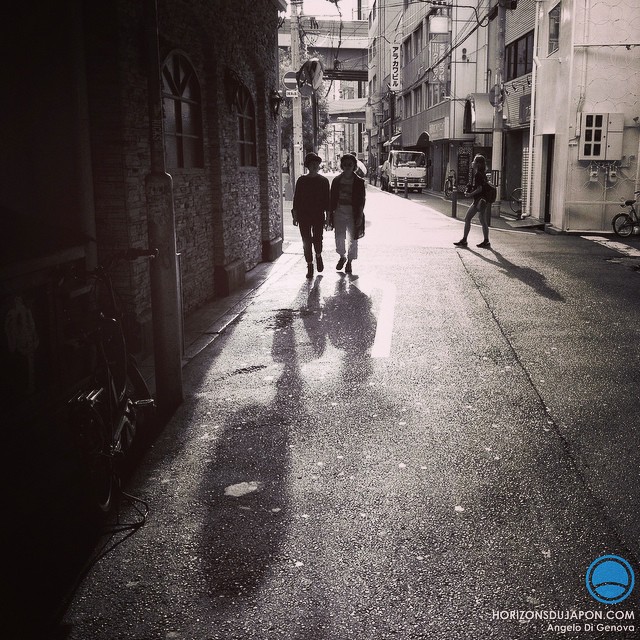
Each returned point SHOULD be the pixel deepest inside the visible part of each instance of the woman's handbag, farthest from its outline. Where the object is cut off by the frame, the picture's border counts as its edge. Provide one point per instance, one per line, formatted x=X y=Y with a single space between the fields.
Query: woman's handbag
x=360 y=228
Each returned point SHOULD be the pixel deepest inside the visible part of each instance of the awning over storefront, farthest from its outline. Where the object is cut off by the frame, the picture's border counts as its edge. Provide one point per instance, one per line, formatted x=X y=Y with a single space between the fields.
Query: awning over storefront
x=478 y=114
x=395 y=141
x=423 y=139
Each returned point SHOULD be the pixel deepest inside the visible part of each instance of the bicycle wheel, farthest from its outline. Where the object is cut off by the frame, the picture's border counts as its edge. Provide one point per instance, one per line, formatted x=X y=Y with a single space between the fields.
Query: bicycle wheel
x=515 y=201
x=143 y=414
x=622 y=225
x=93 y=440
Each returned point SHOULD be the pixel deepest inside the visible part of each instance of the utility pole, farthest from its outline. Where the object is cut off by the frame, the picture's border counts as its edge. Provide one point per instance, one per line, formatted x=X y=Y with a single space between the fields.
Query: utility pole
x=498 y=110
x=392 y=114
x=296 y=165
x=314 y=117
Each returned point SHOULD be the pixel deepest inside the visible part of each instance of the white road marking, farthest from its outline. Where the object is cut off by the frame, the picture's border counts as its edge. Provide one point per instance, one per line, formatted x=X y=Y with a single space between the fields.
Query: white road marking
x=624 y=249
x=384 y=326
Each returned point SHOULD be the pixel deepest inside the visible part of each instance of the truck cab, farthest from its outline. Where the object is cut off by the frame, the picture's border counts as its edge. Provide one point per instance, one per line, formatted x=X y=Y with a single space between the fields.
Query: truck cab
x=404 y=168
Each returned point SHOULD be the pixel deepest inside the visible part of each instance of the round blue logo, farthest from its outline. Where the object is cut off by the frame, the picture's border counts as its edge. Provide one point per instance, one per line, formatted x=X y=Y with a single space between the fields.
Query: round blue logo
x=610 y=579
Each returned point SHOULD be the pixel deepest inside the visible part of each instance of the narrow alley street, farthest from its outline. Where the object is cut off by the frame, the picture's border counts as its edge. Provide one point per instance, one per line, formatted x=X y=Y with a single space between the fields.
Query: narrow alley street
x=413 y=451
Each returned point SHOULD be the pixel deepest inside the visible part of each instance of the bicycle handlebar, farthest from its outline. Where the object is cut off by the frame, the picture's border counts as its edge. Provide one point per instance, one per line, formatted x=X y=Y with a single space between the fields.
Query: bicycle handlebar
x=134 y=254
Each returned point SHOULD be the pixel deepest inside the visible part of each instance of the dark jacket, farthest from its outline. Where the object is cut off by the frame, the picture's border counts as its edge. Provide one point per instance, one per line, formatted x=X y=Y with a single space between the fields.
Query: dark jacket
x=479 y=179
x=311 y=198
x=358 y=196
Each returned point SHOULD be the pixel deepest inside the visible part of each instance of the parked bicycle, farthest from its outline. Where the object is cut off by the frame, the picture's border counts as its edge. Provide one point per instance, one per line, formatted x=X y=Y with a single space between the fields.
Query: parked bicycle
x=515 y=201
x=113 y=405
x=624 y=223
x=450 y=184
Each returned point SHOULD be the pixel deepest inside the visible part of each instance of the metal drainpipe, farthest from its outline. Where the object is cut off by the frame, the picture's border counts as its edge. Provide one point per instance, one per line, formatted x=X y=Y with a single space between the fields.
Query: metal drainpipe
x=532 y=125
x=165 y=303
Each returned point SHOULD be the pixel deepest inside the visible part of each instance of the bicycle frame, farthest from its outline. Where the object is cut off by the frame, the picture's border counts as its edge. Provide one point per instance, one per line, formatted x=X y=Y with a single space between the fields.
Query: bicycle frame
x=104 y=414
x=624 y=223
x=450 y=184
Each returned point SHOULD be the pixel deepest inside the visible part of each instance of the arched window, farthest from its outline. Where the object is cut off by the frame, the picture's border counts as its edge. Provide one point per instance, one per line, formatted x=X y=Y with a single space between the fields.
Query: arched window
x=182 y=112
x=246 y=128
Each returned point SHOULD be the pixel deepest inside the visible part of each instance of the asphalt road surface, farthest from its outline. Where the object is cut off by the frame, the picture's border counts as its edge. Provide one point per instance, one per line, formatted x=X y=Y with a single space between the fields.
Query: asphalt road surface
x=438 y=446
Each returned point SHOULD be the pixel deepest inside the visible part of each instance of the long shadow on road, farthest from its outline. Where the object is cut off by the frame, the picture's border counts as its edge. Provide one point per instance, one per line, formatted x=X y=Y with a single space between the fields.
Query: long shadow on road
x=528 y=276
x=248 y=491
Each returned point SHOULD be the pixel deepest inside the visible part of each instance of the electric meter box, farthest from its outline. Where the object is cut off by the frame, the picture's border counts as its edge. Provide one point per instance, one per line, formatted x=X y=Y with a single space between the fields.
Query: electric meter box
x=601 y=136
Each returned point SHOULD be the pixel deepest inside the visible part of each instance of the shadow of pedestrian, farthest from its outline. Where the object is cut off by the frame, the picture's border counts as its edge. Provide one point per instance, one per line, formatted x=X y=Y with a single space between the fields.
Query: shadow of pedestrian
x=247 y=488
x=528 y=276
x=311 y=314
x=350 y=326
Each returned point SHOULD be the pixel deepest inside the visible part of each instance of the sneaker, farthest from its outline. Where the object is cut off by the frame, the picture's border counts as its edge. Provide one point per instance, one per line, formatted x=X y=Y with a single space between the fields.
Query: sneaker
x=461 y=243
x=484 y=244
x=309 y=270
x=320 y=264
x=340 y=263
x=348 y=269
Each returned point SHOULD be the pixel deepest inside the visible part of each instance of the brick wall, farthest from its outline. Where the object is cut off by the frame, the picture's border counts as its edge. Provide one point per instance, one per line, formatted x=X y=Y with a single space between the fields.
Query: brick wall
x=224 y=213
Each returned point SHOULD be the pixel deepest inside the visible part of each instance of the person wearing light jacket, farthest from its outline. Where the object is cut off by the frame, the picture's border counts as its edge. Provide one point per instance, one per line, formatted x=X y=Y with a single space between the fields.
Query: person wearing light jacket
x=348 y=195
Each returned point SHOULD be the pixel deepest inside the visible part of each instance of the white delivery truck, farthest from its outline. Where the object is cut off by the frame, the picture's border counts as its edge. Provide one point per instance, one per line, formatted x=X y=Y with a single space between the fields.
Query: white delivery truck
x=404 y=167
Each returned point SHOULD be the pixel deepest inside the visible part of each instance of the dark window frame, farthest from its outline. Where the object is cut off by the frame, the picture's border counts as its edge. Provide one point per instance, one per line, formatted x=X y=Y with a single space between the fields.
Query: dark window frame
x=182 y=113
x=554 y=29
x=247 y=137
x=519 y=57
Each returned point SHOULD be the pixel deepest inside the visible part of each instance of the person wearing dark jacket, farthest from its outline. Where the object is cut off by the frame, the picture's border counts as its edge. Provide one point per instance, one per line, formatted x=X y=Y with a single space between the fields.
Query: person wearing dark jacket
x=348 y=194
x=476 y=190
x=310 y=204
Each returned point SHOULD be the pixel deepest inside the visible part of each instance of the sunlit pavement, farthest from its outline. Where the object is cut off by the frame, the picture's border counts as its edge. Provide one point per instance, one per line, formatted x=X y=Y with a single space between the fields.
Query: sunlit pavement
x=398 y=453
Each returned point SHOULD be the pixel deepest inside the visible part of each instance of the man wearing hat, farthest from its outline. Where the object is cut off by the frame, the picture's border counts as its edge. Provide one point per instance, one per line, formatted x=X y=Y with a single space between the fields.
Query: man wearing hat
x=310 y=205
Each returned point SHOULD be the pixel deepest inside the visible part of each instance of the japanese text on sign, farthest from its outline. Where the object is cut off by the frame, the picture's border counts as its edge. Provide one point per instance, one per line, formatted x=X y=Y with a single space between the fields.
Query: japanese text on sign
x=438 y=50
x=395 y=83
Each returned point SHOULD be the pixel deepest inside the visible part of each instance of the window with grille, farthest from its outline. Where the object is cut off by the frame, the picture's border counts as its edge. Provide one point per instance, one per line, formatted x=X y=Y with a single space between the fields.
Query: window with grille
x=246 y=128
x=601 y=136
x=593 y=135
x=182 y=114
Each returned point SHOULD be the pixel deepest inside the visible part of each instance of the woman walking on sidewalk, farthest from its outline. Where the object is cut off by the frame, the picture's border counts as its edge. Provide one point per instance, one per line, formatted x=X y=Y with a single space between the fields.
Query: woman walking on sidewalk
x=310 y=203
x=347 y=211
x=476 y=191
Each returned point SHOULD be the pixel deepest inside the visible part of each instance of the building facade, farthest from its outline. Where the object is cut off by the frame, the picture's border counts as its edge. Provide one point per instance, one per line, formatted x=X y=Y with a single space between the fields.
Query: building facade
x=544 y=89
x=77 y=153
x=385 y=36
x=585 y=127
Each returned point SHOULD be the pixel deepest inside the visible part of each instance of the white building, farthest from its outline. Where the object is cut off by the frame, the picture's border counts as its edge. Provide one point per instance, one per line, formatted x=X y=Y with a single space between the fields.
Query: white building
x=586 y=111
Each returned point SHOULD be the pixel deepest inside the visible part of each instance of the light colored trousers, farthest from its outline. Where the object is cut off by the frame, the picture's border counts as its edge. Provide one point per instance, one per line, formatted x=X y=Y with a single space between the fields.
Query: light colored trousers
x=346 y=243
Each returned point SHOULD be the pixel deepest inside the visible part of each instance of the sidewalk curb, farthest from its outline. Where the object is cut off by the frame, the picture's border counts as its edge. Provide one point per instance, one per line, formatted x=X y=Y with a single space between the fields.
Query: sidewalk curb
x=212 y=320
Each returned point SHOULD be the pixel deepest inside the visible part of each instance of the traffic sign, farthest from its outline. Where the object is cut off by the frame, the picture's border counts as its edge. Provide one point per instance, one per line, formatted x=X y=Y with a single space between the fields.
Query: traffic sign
x=289 y=81
x=291 y=93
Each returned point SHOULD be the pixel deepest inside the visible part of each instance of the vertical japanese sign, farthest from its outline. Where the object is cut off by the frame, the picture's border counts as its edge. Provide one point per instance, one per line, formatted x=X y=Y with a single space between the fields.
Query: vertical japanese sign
x=439 y=72
x=396 y=81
